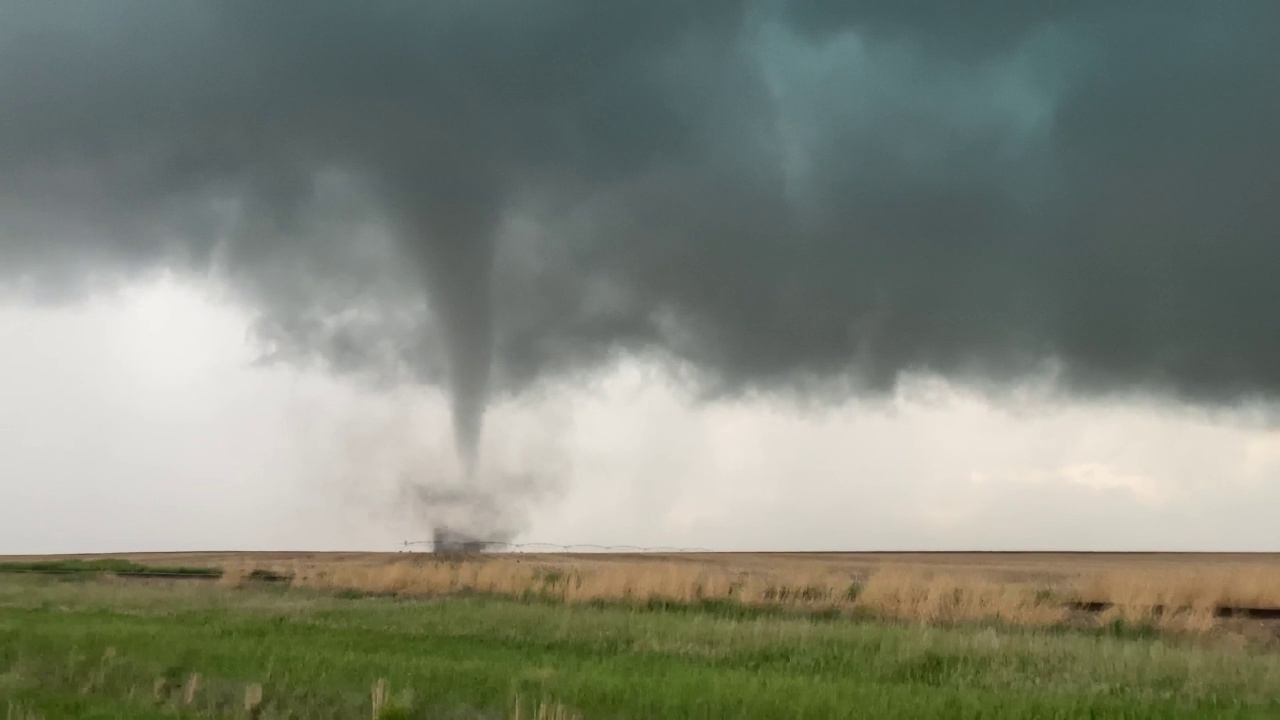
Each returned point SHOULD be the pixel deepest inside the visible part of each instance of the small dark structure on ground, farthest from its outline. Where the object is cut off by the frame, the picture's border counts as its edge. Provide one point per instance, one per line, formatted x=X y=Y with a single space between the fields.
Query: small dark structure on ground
x=448 y=542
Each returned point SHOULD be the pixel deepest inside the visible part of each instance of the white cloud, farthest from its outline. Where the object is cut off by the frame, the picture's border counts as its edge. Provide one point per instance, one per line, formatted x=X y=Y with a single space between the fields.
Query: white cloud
x=1262 y=458
x=1097 y=476
x=1100 y=477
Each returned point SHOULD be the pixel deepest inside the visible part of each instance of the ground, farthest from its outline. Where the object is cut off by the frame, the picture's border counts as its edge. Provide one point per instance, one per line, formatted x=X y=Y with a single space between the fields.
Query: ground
x=80 y=645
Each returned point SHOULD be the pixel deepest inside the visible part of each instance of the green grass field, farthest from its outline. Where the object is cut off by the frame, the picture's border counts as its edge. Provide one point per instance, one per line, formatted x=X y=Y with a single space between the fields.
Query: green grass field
x=80 y=647
x=102 y=565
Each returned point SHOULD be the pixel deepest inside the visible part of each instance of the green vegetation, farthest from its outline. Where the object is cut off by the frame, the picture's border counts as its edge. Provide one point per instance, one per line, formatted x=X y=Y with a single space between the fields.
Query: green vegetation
x=103 y=565
x=198 y=650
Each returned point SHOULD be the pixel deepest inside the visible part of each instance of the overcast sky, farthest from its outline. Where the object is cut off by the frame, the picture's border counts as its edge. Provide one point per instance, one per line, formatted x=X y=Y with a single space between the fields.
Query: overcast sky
x=139 y=421
x=729 y=273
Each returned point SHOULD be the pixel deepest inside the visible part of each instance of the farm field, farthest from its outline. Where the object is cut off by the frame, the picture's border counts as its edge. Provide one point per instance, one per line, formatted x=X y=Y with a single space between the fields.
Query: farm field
x=403 y=636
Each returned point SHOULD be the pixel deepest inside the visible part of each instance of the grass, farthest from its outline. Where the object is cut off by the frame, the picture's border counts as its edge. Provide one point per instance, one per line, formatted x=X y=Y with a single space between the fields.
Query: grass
x=117 y=566
x=1182 y=594
x=1185 y=587
x=103 y=649
x=1181 y=598
x=890 y=593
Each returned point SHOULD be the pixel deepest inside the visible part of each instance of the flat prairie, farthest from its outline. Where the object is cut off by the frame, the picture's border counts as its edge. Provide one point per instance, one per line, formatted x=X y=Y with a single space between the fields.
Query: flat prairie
x=575 y=636
x=1178 y=589
x=1012 y=565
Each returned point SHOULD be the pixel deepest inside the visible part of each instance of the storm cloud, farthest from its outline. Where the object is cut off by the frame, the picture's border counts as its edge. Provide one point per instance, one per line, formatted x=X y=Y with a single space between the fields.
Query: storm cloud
x=773 y=196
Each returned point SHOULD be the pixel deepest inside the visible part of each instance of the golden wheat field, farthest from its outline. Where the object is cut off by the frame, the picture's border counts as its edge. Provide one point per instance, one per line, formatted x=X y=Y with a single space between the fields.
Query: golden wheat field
x=1174 y=591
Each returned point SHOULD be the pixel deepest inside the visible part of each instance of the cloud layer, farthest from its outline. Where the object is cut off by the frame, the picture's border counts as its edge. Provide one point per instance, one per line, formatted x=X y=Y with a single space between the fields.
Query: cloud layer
x=778 y=196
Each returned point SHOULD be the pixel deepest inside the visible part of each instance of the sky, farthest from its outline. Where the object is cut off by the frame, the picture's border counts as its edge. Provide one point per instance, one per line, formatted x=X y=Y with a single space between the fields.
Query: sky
x=733 y=274
x=142 y=419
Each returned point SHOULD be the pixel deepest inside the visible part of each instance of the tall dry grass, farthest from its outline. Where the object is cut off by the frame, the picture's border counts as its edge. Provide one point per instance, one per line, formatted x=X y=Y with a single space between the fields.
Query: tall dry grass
x=1180 y=597
x=899 y=593
x=583 y=581
x=907 y=594
x=1188 y=587
x=235 y=573
x=542 y=710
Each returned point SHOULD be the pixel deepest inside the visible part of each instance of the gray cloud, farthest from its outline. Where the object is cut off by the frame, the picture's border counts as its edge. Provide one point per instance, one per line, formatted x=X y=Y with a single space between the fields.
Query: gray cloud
x=779 y=196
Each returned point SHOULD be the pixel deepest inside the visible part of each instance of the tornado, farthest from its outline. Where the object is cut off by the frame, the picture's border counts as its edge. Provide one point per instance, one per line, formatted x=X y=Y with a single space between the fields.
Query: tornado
x=459 y=278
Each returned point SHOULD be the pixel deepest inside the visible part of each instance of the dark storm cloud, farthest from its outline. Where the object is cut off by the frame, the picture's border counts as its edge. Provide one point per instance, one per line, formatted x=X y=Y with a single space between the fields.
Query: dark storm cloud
x=198 y=133
x=778 y=195
x=972 y=192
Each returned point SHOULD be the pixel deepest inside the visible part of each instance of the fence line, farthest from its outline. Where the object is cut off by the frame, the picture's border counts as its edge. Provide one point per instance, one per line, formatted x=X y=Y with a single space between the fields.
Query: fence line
x=540 y=547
